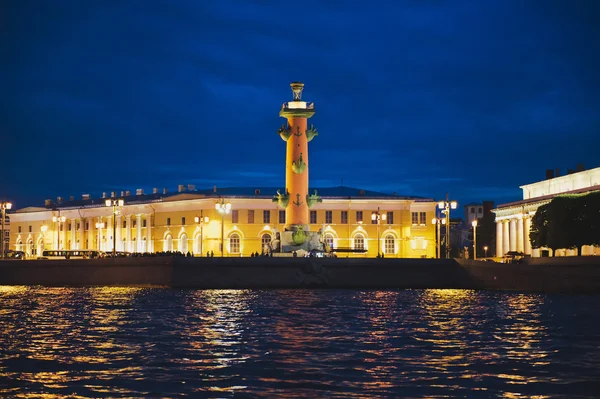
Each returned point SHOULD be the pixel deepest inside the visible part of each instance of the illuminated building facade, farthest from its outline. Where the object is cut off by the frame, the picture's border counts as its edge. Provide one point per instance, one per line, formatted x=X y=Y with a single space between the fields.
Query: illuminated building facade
x=187 y=221
x=513 y=220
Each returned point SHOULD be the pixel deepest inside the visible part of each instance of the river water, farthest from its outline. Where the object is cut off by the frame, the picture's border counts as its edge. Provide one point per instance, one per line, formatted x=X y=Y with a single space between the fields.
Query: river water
x=153 y=342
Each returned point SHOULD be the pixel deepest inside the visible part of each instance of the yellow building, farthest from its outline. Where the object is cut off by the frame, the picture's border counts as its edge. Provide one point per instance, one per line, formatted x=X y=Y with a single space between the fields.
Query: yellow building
x=188 y=221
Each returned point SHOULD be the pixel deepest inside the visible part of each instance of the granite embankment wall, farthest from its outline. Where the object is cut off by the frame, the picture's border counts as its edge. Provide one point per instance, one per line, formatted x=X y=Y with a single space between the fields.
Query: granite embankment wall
x=569 y=275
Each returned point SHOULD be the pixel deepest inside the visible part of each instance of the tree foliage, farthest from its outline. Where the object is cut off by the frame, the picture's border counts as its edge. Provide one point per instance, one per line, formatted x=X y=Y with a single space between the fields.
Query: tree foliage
x=568 y=221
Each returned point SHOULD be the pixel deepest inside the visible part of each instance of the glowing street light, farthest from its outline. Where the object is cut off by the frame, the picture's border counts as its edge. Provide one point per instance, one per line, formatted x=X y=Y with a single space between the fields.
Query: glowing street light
x=445 y=207
x=474 y=224
x=58 y=220
x=485 y=251
x=377 y=216
x=202 y=221
x=4 y=205
x=222 y=207
x=115 y=203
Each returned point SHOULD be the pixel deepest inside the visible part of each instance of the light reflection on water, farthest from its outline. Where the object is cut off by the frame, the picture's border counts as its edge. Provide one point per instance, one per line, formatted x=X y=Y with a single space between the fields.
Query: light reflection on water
x=150 y=342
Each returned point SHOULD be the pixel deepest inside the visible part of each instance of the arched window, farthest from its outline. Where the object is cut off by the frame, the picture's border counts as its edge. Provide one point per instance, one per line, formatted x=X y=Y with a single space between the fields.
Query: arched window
x=234 y=244
x=266 y=242
x=389 y=245
x=143 y=247
x=40 y=246
x=19 y=245
x=198 y=244
x=30 y=248
x=359 y=241
x=329 y=240
x=168 y=243
x=183 y=244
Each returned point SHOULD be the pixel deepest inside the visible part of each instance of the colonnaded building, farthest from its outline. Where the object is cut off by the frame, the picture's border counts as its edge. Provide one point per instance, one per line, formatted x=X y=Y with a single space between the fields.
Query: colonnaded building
x=513 y=220
x=189 y=220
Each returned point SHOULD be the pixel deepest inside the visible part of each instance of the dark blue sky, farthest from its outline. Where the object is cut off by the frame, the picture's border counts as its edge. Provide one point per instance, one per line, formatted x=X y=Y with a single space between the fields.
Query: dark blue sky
x=420 y=98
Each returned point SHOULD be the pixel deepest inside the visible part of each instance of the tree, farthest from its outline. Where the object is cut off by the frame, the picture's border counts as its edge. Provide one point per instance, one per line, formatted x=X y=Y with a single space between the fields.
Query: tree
x=568 y=221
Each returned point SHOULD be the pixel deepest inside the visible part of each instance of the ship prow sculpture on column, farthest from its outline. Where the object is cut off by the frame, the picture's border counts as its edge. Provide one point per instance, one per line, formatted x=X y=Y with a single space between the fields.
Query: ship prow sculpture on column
x=296 y=200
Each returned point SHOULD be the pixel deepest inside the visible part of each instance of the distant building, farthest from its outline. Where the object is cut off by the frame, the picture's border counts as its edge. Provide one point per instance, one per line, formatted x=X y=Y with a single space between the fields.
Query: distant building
x=513 y=220
x=164 y=221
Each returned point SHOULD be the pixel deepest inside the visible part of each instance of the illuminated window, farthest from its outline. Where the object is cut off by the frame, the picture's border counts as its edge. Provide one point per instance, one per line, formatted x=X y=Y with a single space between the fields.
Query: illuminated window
x=281 y=217
x=329 y=240
x=235 y=216
x=415 y=218
x=250 y=216
x=183 y=243
x=344 y=217
x=389 y=245
x=266 y=216
x=266 y=242
x=234 y=244
x=359 y=241
x=390 y=217
x=168 y=246
x=359 y=216
x=313 y=217
x=328 y=217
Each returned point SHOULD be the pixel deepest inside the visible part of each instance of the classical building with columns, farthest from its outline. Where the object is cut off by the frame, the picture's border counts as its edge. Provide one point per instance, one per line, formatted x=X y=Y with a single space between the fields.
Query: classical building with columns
x=513 y=220
x=188 y=221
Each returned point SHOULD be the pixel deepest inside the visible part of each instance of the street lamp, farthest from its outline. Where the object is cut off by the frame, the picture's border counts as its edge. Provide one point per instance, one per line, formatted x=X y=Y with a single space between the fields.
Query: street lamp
x=439 y=222
x=445 y=207
x=115 y=203
x=222 y=207
x=58 y=220
x=99 y=227
x=485 y=251
x=377 y=216
x=474 y=224
x=201 y=220
x=4 y=205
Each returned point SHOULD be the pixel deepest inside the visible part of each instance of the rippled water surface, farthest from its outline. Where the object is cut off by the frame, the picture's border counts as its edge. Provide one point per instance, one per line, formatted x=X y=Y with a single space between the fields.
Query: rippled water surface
x=140 y=342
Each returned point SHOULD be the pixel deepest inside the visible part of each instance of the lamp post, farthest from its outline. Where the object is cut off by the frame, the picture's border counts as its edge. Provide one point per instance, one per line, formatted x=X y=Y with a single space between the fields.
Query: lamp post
x=4 y=205
x=115 y=203
x=439 y=222
x=201 y=220
x=58 y=220
x=445 y=207
x=377 y=216
x=485 y=251
x=99 y=227
x=222 y=207
x=474 y=224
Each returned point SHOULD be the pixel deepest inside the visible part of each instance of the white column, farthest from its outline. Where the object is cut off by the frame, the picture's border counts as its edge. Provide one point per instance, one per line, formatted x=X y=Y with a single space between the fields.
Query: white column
x=73 y=239
x=520 y=246
x=499 y=237
x=513 y=235
x=527 y=241
x=505 y=237
x=82 y=234
x=138 y=232
x=128 y=234
x=149 y=242
x=118 y=235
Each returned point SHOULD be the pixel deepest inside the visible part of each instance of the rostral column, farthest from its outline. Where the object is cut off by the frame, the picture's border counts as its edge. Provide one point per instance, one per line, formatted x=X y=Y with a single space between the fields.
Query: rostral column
x=297 y=135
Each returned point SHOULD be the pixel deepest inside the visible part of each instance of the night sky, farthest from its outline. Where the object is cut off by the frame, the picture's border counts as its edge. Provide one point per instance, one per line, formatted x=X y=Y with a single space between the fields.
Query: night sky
x=473 y=98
